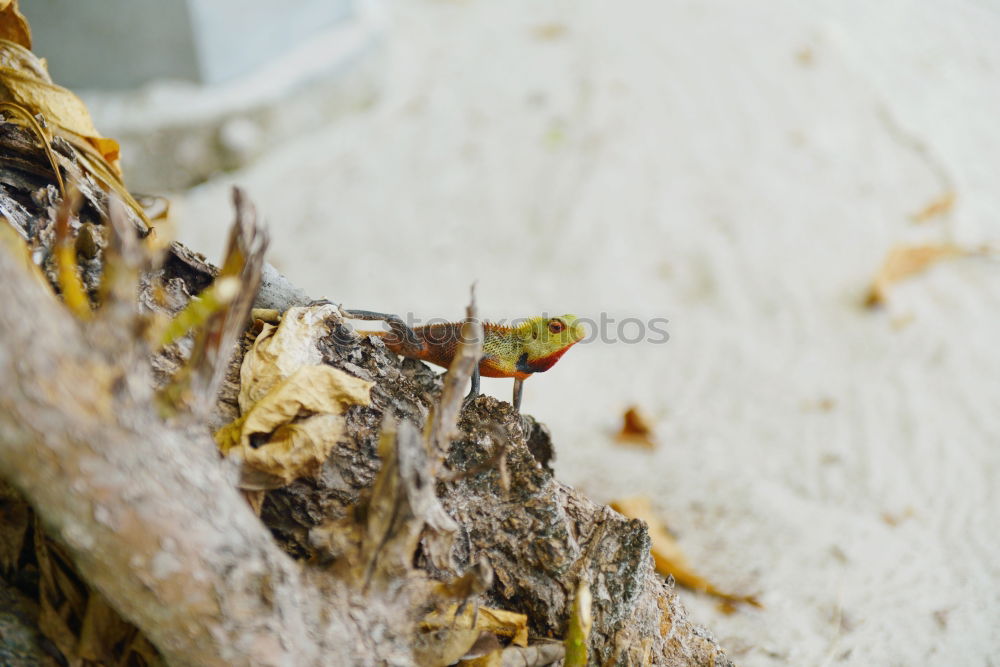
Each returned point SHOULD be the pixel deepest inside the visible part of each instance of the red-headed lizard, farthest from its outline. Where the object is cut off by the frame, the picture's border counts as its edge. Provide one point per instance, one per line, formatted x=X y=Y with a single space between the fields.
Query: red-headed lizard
x=508 y=352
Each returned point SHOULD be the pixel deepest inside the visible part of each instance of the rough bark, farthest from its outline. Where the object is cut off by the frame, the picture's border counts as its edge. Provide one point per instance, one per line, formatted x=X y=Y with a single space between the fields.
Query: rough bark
x=151 y=517
x=147 y=511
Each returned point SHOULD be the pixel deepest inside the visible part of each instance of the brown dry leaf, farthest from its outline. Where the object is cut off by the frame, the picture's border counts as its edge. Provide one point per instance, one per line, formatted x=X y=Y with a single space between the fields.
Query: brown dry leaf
x=62 y=596
x=13 y=26
x=904 y=261
x=636 y=429
x=103 y=633
x=15 y=518
x=498 y=621
x=939 y=206
x=667 y=554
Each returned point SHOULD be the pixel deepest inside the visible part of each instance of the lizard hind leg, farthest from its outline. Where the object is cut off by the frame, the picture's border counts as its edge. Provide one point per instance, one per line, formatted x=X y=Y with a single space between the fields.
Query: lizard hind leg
x=409 y=343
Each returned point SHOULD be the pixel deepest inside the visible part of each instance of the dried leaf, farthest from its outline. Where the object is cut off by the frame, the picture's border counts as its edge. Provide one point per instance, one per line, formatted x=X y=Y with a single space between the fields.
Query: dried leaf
x=15 y=517
x=25 y=84
x=62 y=596
x=939 y=206
x=280 y=350
x=498 y=621
x=905 y=261
x=636 y=429
x=103 y=632
x=29 y=84
x=290 y=432
x=13 y=26
x=580 y=623
x=667 y=554
x=550 y=31
x=443 y=646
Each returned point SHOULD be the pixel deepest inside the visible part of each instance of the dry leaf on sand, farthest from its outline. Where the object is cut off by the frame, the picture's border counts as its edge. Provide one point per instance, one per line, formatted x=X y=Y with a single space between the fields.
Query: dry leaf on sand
x=667 y=554
x=636 y=429
x=904 y=261
x=937 y=207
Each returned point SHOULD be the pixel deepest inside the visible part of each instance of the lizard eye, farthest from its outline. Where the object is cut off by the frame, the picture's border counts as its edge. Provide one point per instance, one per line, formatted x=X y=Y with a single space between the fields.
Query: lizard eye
x=555 y=326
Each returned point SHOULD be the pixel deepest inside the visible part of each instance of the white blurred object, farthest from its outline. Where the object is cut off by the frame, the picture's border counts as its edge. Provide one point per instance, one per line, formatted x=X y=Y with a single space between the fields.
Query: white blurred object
x=207 y=86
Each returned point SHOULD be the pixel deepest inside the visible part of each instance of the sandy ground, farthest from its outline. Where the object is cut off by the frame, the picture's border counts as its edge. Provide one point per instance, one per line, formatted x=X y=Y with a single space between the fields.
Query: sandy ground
x=741 y=169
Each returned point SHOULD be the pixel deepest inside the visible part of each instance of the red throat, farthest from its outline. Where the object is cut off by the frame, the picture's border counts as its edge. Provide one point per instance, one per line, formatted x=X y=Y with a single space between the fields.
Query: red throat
x=543 y=364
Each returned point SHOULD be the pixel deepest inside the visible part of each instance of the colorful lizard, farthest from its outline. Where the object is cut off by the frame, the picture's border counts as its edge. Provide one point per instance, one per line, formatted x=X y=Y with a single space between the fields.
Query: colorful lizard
x=508 y=352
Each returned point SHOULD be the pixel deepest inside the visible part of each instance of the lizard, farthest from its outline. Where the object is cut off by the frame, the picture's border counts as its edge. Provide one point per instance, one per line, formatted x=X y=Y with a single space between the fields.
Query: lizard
x=518 y=352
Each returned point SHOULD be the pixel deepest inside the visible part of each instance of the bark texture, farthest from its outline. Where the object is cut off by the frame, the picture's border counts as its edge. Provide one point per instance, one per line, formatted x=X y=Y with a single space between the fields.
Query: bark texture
x=339 y=567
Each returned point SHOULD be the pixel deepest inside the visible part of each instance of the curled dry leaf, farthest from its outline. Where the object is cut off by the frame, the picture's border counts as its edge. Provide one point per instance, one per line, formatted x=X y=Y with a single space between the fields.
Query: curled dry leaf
x=293 y=405
x=485 y=619
x=281 y=350
x=905 y=261
x=667 y=555
x=13 y=26
x=636 y=429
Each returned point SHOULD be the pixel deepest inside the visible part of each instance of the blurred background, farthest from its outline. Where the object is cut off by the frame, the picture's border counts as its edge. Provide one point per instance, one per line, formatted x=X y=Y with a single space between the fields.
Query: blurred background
x=742 y=169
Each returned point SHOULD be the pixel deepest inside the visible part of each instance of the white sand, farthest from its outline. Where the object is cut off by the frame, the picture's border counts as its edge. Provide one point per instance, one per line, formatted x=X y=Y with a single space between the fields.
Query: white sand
x=740 y=168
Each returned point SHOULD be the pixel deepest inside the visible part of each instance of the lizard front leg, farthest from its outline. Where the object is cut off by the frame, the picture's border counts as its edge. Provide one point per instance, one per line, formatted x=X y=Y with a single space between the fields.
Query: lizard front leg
x=518 y=390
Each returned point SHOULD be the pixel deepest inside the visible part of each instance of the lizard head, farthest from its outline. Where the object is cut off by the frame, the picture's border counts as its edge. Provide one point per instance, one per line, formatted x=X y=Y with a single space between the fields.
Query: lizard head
x=545 y=339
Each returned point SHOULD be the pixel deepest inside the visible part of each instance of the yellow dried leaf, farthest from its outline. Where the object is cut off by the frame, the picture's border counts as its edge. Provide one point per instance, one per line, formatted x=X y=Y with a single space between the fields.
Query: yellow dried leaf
x=443 y=646
x=485 y=619
x=667 y=555
x=280 y=351
x=13 y=26
x=905 y=261
x=550 y=31
x=25 y=83
x=24 y=80
x=292 y=404
x=290 y=432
